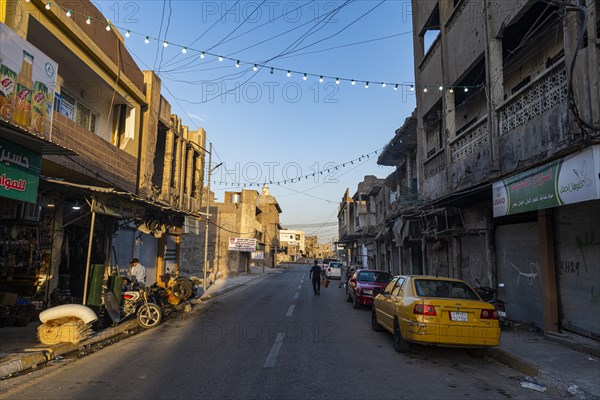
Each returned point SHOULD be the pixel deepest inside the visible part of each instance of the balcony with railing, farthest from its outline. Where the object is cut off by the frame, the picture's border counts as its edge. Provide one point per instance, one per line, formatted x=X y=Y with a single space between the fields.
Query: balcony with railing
x=470 y=154
x=434 y=184
x=535 y=120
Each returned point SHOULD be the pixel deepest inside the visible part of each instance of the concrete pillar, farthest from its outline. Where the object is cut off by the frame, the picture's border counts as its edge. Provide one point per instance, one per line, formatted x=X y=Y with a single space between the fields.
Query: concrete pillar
x=176 y=183
x=189 y=178
x=149 y=134
x=168 y=166
x=494 y=86
x=548 y=270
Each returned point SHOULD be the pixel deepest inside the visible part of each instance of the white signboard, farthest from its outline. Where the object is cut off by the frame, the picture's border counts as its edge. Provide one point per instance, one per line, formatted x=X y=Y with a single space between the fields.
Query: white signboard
x=28 y=78
x=241 y=244
x=258 y=255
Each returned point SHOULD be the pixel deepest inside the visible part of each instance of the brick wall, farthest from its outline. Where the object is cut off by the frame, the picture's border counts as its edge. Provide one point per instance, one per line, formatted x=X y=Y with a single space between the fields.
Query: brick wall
x=95 y=155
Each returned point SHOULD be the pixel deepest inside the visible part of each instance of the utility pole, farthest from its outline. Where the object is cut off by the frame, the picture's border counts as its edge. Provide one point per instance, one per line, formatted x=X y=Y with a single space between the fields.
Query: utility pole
x=207 y=217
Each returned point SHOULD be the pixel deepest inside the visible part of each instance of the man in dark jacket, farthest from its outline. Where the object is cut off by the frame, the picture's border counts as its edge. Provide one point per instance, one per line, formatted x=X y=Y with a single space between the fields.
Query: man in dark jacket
x=315 y=275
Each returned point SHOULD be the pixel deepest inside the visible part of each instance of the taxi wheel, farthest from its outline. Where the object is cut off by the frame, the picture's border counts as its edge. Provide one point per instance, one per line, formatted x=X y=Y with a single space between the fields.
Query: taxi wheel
x=374 y=324
x=399 y=344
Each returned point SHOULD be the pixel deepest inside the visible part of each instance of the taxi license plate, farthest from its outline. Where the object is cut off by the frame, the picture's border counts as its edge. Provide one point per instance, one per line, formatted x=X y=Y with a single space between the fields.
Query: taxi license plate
x=459 y=316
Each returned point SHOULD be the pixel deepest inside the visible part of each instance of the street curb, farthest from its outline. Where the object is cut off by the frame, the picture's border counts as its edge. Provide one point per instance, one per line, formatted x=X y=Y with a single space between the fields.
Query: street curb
x=40 y=355
x=20 y=362
x=540 y=375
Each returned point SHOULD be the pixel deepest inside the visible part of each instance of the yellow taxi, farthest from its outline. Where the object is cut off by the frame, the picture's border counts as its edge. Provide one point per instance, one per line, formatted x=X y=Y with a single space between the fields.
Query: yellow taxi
x=435 y=311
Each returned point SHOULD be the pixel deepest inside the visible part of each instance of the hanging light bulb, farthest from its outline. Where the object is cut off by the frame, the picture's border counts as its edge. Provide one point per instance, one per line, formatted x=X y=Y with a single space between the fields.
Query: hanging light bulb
x=383 y=84
x=108 y=27
x=337 y=81
x=451 y=90
x=128 y=33
x=68 y=14
x=88 y=20
x=366 y=85
x=202 y=55
x=76 y=206
x=165 y=44
x=48 y=5
x=304 y=77
x=184 y=50
x=220 y=58
x=255 y=68
x=147 y=40
x=466 y=89
x=237 y=64
x=396 y=87
x=440 y=88
x=353 y=82
x=424 y=90
x=412 y=88
x=289 y=73
x=271 y=71
x=321 y=79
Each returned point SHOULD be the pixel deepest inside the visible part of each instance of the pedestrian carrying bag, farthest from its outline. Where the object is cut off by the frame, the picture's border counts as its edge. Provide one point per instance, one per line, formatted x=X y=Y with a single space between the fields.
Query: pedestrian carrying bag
x=325 y=282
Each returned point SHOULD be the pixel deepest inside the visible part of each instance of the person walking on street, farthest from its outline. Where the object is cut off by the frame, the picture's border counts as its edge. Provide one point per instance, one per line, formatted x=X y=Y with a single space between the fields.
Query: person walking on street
x=315 y=275
x=138 y=271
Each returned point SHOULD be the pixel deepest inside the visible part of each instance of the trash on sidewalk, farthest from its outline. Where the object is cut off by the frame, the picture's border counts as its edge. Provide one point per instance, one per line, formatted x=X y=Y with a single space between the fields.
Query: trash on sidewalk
x=530 y=383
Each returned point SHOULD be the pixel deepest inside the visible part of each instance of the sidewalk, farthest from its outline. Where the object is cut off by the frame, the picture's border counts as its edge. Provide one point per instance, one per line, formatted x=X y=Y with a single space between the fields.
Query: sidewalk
x=568 y=363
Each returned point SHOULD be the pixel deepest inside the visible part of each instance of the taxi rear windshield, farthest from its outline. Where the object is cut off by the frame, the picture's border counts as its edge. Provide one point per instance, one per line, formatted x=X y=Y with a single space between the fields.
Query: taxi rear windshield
x=441 y=288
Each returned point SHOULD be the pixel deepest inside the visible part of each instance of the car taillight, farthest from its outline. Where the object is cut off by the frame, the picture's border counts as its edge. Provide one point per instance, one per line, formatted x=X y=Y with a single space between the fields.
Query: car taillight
x=488 y=314
x=128 y=296
x=421 y=309
x=328 y=269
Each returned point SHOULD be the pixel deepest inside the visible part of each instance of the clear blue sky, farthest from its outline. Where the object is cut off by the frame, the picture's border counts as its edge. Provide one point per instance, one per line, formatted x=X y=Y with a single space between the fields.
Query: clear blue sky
x=267 y=126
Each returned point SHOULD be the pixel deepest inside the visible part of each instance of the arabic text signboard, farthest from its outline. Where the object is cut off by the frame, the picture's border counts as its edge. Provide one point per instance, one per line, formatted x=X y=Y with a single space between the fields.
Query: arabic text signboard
x=568 y=180
x=27 y=82
x=241 y=244
x=19 y=172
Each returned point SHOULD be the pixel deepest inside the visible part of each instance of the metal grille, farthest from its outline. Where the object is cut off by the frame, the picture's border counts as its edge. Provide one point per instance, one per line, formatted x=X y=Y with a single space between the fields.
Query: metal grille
x=471 y=141
x=534 y=100
x=435 y=165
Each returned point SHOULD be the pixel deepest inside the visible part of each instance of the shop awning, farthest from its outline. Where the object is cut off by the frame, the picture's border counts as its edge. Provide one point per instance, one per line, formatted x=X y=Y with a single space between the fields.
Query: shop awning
x=34 y=142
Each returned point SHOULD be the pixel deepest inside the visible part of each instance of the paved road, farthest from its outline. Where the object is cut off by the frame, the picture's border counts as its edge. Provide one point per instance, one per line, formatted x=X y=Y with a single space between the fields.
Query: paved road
x=273 y=339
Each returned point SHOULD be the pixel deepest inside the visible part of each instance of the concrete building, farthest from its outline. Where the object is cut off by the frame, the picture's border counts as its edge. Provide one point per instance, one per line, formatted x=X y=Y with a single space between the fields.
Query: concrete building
x=242 y=216
x=292 y=243
x=112 y=175
x=508 y=119
x=356 y=223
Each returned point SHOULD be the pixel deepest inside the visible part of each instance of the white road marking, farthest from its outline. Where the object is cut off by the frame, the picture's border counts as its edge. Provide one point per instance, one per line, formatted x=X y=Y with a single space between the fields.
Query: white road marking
x=300 y=287
x=290 y=311
x=272 y=357
x=296 y=295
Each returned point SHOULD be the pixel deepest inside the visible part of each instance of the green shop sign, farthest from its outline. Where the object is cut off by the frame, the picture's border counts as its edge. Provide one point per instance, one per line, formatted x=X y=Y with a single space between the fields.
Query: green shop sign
x=568 y=180
x=19 y=172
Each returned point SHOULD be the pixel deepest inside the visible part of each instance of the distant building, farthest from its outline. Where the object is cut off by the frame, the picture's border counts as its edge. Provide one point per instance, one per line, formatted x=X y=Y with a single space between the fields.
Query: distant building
x=293 y=243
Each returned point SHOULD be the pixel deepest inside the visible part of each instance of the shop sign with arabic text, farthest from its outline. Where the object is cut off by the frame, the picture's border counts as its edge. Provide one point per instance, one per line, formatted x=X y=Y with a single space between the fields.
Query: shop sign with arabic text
x=19 y=172
x=242 y=244
x=569 y=180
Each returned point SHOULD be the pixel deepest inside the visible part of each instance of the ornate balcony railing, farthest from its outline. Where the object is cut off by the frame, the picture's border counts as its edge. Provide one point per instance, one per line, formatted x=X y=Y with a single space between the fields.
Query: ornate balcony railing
x=470 y=141
x=435 y=164
x=542 y=94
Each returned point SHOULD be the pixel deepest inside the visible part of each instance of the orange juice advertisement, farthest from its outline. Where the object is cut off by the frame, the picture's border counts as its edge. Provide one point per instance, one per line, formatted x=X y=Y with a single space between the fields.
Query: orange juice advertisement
x=27 y=82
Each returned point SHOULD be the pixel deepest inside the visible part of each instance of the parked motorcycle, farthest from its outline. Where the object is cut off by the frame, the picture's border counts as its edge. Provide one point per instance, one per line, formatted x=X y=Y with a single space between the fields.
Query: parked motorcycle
x=133 y=302
x=488 y=294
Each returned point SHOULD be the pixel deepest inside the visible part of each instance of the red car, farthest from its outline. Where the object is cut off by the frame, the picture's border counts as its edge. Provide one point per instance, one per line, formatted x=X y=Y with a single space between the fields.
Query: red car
x=359 y=289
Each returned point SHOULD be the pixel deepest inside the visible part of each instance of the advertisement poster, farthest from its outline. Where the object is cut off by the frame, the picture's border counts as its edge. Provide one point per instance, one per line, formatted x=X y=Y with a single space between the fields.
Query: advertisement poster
x=241 y=244
x=28 y=79
x=19 y=172
x=568 y=180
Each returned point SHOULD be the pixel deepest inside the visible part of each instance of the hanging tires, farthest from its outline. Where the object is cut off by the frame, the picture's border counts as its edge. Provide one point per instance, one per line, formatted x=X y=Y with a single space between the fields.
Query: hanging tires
x=182 y=289
x=149 y=315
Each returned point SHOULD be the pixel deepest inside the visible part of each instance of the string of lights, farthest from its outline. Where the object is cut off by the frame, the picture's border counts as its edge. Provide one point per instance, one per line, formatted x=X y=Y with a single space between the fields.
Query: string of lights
x=256 y=66
x=299 y=178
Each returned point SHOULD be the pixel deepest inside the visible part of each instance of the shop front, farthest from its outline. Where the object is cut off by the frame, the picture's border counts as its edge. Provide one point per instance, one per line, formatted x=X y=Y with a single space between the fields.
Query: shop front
x=548 y=243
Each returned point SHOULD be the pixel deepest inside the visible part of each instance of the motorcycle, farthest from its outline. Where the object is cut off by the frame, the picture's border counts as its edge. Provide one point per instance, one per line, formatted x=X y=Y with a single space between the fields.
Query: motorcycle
x=133 y=302
x=488 y=294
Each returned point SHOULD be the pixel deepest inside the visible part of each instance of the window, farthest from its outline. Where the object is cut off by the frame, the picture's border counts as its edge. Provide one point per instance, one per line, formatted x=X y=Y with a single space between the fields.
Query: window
x=390 y=286
x=78 y=111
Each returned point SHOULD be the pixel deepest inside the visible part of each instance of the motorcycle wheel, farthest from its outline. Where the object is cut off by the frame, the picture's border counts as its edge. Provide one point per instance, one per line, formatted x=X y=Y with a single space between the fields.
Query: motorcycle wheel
x=149 y=315
x=182 y=289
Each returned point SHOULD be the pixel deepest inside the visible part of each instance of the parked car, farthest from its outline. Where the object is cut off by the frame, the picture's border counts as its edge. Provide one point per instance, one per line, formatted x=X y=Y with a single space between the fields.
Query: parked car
x=362 y=283
x=435 y=311
x=326 y=262
x=333 y=270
